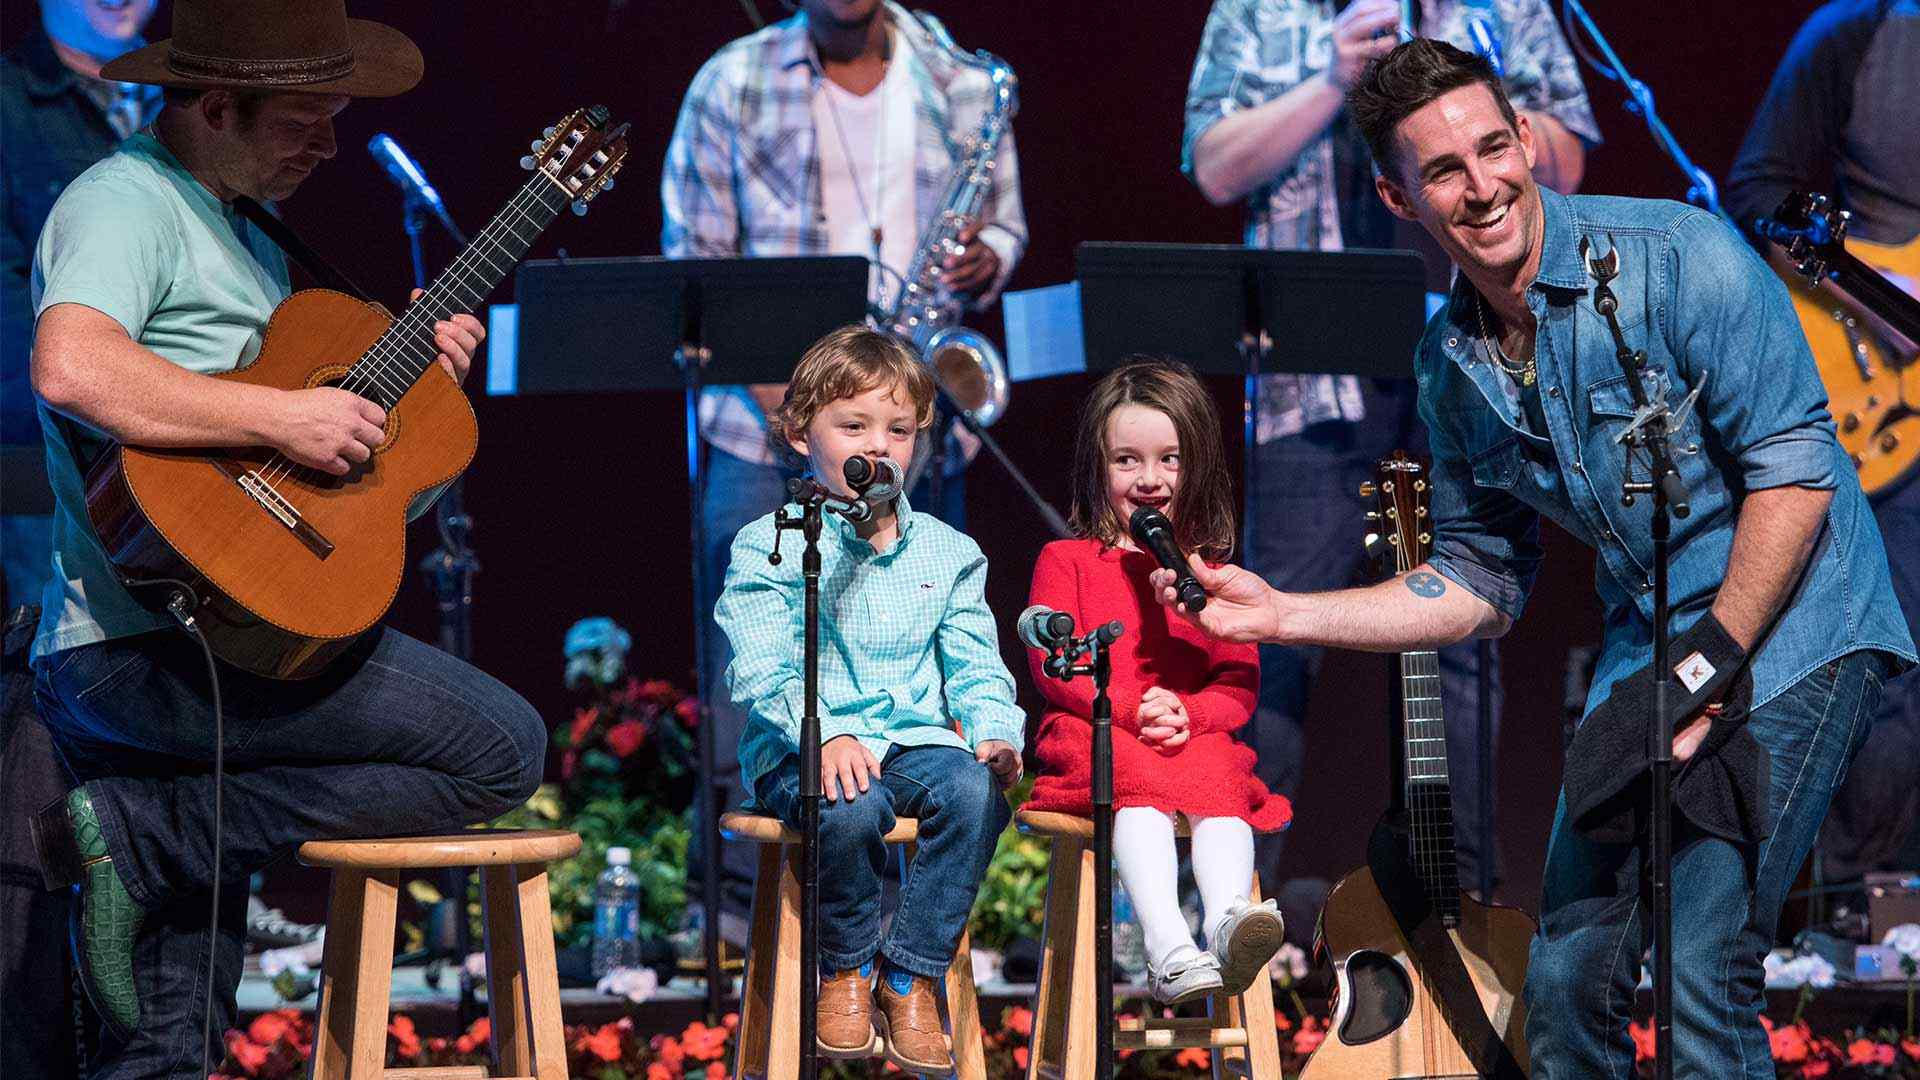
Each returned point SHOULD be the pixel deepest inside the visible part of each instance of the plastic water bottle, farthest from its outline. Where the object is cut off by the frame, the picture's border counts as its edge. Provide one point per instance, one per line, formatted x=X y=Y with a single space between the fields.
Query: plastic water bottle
x=616 y=914
x=1129 y=940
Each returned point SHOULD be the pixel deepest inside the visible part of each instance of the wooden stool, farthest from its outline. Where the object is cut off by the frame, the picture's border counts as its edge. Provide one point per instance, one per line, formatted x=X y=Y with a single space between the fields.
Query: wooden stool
x=770 y=998
x=523 y=989
x=1239 y=1029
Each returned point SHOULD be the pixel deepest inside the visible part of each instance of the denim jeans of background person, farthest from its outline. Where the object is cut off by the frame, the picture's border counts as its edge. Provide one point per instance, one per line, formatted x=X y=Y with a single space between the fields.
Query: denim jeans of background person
x=1334 y=428
x=744 y=175
x=1838 y=118
x=55 y=121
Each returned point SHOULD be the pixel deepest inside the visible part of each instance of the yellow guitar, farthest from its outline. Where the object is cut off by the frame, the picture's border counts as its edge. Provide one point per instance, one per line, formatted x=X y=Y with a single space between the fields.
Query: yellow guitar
x=1864 y=330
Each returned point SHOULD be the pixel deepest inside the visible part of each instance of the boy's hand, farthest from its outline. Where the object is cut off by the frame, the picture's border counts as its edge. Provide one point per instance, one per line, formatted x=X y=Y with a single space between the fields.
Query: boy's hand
x=1163 y=719
x=1002 y=758
x=844 y=766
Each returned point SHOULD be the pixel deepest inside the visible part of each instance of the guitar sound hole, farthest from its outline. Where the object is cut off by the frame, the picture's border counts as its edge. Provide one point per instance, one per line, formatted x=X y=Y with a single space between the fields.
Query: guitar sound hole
x=1382 y=998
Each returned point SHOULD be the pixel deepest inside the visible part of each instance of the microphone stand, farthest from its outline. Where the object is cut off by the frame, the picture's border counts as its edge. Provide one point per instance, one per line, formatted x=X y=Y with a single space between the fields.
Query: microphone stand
x=942 y=404
x=1701 y=190
x=449 y=571
x=1094 y=646
x=1648 y=432
x=814 y=501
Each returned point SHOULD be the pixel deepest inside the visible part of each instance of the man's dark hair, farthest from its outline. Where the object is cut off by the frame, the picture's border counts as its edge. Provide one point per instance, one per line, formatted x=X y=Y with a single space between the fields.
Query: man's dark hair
x=1400 y=83
x=246 y=102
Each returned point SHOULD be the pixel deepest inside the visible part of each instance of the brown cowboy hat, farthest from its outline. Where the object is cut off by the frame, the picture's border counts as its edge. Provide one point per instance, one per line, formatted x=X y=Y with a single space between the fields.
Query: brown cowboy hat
x=293 y=46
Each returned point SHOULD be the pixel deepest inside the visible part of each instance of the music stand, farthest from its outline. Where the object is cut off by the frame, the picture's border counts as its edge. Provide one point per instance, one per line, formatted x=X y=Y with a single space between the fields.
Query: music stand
x=723 y=322
x=1222 y=308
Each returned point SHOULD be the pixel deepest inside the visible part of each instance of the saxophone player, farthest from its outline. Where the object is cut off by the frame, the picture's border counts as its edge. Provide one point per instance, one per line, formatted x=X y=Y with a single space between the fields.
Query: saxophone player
x=832 y=132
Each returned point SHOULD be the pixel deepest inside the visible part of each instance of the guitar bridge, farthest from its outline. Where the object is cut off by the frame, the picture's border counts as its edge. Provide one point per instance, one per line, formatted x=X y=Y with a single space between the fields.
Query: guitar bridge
x=276 y=504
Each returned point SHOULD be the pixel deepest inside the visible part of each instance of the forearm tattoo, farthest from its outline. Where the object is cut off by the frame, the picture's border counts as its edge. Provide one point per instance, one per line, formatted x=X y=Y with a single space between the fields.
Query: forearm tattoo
x=1426 y=586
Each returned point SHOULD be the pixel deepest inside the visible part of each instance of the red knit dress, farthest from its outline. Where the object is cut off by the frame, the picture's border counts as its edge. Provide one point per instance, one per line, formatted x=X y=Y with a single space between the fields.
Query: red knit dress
x=1211 y=774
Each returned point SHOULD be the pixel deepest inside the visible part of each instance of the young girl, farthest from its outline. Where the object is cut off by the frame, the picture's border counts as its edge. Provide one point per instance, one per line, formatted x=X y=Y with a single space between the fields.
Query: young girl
x=1149 y=436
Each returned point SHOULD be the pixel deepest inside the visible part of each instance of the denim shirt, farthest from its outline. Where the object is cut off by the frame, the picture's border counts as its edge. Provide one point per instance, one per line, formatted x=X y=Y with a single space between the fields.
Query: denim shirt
x=1711 y=317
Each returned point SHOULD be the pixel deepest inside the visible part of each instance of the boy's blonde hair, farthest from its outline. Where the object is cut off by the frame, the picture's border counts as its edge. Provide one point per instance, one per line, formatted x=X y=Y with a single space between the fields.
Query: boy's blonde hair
x=851 y=360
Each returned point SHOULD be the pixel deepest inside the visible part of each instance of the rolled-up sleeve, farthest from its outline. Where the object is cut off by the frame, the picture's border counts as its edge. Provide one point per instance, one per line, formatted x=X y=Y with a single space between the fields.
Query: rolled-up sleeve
x=1735 y=337
x=1225 y=73
x=1484 y=539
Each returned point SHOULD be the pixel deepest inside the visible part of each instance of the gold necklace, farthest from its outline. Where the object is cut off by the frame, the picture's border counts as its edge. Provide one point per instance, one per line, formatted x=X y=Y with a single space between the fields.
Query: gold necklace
x=1525 y=372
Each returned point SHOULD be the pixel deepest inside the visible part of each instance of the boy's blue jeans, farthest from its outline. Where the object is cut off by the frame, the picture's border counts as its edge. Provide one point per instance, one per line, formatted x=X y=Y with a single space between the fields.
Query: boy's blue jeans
x=962 y=812
x=1726 y=902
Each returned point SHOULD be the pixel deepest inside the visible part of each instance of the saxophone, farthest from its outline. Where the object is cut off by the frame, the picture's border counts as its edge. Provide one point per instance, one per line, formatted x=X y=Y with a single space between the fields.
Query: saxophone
x=926 y=312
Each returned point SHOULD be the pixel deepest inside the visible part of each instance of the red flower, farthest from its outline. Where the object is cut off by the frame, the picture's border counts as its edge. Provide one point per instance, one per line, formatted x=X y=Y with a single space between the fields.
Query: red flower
x=1020 y=1058
x=406 y=1040
x=246 y=1053
x=1868 y=1052
x=1281 y=1022
x=657 y=1071
x=1789 y=1044
x=688 y=711
x=603 y=1044
x=1911 y=1048
x=657 y=690
x=1020 y=1021
x=1643 y=1041
x=703 y=1043
x=672 y=1054
x=1816 y=1068
x=583 y=721
x=716 y=1071
x=731 y=1021
x=437 y=1045
x=625 y=737
x=477 y=1036
x=1193 y=1057
x=1311 y=1034
x=568 y=761
x=267 y=1028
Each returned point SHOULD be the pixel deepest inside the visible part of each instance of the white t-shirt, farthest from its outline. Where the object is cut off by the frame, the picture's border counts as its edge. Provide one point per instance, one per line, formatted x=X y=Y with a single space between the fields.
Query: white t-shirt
x=878 y=130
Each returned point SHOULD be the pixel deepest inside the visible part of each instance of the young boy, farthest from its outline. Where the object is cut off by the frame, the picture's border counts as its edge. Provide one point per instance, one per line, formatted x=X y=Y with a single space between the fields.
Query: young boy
x=916 y=707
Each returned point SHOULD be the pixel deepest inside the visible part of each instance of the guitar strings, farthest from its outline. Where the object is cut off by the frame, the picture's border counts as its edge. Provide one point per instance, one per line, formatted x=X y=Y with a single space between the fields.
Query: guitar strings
x=380 y=367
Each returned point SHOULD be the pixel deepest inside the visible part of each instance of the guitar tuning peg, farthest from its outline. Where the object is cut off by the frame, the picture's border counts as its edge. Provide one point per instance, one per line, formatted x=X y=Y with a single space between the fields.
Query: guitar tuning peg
x=607 y=184
x=1367 y=489
x=526 y=162
x=547 y=133
x=580 y=208
x=536 y=145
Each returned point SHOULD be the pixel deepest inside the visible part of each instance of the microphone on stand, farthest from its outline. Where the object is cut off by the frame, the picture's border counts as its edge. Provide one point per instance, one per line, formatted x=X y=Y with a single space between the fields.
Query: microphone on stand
x=407 y=173
x=1154 y=533
x=1041 y=627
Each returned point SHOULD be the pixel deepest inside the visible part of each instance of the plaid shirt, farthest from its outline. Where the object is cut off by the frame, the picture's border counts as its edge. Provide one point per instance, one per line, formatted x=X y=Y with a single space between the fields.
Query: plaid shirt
x=742 y=174
x=909 y=655
x=1253 y=51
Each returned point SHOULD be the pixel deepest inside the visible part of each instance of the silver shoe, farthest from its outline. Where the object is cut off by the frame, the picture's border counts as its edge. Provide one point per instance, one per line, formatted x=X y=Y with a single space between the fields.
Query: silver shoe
x=1245 y=941
x=1188 y=973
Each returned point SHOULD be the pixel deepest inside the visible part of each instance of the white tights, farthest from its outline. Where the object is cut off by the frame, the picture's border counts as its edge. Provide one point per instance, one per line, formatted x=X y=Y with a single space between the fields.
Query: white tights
x=1150 y=870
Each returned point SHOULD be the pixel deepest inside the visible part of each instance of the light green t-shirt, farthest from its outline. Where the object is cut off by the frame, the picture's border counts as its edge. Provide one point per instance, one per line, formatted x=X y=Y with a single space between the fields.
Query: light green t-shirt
x=138 y=239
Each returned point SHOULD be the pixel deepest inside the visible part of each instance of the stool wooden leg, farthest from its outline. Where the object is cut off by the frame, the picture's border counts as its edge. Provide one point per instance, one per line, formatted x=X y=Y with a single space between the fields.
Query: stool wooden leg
x=543 y=976
x=506 y=973
x=1252 y=1011
x=350 y=1032
x=1062 y=1042
x=963 y=1015
x=770 y=995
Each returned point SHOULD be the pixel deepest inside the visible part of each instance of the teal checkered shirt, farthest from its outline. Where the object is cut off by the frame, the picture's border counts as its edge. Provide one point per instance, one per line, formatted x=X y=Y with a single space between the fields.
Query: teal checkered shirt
x=908 y=651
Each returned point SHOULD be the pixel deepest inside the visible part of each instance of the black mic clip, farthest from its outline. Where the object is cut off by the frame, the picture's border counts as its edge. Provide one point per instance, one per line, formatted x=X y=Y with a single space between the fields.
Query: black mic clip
x=810 y=493
x=1061 y=665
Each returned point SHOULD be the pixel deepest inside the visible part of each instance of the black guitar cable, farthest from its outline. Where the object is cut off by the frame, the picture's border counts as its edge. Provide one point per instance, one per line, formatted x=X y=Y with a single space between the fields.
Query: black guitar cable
x=181 y=604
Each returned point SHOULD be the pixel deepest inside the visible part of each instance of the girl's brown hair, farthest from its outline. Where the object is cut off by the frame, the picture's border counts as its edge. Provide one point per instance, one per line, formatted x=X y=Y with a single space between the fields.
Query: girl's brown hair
x=1202 y=508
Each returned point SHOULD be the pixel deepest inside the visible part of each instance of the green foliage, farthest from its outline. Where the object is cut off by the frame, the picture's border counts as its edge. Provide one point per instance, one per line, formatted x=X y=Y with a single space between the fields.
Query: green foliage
x=1013 y=896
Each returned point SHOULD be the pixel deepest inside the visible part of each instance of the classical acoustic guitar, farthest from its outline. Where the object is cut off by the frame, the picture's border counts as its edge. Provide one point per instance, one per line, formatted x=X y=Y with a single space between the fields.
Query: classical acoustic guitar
x=1426 y=980
x=1864 y=328
x=287 y=565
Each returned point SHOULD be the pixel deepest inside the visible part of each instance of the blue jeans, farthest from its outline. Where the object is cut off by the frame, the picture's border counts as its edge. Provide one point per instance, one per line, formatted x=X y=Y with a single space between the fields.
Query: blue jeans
x=397 y=737
x=1726 y=903
x=739 y=492
x=1307 y=528
x=962 y=812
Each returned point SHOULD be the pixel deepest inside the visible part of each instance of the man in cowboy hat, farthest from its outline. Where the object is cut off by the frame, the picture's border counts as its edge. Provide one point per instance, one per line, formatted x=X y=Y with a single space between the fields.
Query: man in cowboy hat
x=146 y=280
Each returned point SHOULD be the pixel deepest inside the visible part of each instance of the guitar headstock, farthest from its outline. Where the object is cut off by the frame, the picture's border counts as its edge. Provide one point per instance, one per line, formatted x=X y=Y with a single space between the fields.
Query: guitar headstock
x=1399 y=489
x=1810 y=229
x=580 y=154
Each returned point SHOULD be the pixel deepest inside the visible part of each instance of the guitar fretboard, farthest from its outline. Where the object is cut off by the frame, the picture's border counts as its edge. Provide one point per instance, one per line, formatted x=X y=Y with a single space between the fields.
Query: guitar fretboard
x=407 y=349
x=1429 y=793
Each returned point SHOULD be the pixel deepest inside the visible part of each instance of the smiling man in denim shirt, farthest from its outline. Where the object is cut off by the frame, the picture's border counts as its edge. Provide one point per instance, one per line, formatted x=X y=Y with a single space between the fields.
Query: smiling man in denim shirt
x=1779 y=563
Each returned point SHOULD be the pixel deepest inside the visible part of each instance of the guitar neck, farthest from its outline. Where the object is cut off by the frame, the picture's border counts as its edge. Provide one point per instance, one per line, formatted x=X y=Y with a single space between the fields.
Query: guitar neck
x=1866 y=286
x=1429 y=793
x=407 y=349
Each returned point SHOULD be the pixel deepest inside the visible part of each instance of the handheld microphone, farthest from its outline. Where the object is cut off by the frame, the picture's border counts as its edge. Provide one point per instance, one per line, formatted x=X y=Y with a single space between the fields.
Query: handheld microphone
x=1154 y=533
x=407 y=173
x=1041 y=627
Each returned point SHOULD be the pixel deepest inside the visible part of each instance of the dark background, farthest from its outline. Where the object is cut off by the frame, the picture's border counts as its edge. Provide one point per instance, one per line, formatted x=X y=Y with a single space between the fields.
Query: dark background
x=581 y=503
